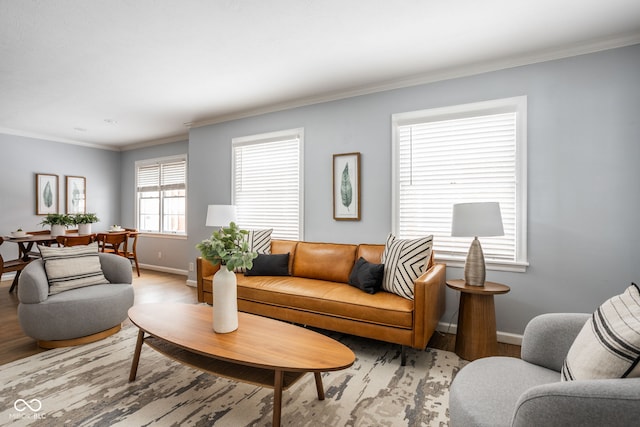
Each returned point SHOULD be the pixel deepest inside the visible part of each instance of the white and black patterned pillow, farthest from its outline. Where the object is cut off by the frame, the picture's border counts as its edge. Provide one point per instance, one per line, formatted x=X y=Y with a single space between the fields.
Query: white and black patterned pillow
x=72 y=267
x=259 y=241
x=404 y=261
x=608 y=346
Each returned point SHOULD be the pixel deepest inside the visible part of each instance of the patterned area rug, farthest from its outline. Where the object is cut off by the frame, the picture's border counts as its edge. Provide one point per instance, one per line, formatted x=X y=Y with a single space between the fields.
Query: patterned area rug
x=88 y=386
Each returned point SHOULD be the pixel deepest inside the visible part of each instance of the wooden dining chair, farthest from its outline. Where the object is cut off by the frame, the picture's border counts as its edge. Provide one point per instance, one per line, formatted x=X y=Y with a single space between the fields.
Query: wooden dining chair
x=76 y=240
x=132 y=244
x=115 y=243
x=11 y=265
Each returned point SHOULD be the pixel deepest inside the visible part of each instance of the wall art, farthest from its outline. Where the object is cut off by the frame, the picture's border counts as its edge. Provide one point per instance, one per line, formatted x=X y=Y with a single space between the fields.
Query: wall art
x=46 y=194
x=76 y=194
x=346 y=187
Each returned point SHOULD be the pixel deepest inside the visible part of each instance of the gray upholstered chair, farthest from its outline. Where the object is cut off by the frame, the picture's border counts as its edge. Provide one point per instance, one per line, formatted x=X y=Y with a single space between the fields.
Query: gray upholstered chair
x=506 y=391
x=75 y=316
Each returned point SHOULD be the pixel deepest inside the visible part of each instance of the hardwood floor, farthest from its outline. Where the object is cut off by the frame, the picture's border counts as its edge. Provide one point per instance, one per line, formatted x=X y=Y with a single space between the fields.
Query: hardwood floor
x=151 y=286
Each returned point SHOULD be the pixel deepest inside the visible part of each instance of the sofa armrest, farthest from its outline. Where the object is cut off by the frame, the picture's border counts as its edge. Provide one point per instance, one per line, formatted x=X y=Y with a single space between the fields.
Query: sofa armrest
x=548 y=337
x=614 y=402
x=116 y=269
x=429 y=303
x=33 y=286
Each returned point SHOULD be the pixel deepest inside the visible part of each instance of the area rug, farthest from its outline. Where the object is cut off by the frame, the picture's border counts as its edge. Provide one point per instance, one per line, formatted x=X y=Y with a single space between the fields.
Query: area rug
x=88 y=386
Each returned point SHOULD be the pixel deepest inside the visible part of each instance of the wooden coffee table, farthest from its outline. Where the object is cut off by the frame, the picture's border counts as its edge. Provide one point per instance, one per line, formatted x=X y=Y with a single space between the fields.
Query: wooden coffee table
x=262 y=351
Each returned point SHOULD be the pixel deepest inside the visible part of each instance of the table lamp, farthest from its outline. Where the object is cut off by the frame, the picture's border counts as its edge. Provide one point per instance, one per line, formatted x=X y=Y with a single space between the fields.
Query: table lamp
x=220 y=215
x=480 y=219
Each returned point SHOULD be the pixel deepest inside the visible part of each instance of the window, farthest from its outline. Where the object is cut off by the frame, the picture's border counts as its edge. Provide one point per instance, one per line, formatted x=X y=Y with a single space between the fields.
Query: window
x=161 y=195
x=468 y=153
x=267 y=182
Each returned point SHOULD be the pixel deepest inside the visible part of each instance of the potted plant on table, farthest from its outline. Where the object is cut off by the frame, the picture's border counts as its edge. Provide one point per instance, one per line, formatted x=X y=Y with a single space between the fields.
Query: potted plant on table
x=58 y=223
x=229 y=248
x=84 y=221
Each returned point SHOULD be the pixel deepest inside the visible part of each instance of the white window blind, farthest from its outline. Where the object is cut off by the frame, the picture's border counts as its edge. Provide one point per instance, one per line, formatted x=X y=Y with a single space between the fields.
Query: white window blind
x=161 y=195
x=267 y=183
x=470 y=153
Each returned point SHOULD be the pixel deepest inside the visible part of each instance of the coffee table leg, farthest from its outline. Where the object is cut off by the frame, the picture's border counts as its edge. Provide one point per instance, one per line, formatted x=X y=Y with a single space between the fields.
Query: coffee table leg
x=277 y=397
x=319 y=385
x=136 y=356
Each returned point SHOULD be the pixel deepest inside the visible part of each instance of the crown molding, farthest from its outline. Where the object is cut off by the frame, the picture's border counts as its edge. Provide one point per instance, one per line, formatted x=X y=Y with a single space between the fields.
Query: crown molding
x=567 y=51
x=34 y=135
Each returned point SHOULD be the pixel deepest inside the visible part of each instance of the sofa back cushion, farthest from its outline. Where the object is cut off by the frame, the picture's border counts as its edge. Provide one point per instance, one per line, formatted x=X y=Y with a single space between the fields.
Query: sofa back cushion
x=285 y=247
x=324 y=261
x=372 y=253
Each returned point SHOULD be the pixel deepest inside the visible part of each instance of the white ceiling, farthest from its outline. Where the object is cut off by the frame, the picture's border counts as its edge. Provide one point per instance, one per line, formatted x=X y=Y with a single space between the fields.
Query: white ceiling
x=124 y=73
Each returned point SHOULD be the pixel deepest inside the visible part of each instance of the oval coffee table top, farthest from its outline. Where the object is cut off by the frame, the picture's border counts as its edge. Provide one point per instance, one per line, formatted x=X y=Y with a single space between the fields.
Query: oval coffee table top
x=258 y=341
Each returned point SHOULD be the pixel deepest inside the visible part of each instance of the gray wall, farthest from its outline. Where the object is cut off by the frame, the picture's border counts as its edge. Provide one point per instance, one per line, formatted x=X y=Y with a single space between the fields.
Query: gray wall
x=174 y=256
x=583 y=154
x=21 y=158
x=583 y=174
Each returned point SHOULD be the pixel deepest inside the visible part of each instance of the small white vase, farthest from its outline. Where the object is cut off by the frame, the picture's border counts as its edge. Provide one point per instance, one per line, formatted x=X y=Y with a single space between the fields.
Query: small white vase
x=84 y=228
x=58 y=230
x=225 y=301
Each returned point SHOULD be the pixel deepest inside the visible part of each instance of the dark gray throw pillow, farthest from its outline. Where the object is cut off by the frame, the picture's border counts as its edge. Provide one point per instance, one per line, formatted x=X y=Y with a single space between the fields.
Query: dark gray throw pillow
x=367 y=276
x=269 y=265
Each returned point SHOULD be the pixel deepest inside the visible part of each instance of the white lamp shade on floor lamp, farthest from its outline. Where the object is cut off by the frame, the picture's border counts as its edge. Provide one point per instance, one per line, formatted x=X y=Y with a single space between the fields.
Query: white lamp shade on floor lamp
x=480 y=219
x=220 y=215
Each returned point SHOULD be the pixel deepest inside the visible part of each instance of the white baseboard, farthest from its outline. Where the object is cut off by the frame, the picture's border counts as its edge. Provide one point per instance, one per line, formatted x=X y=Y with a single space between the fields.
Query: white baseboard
x=192 y=283
x=503 y=337
x=165 y=269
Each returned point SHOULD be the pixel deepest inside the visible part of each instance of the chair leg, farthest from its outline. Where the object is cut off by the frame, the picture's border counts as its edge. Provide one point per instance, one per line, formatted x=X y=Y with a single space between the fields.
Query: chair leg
x=137 y=266
x=14 y=284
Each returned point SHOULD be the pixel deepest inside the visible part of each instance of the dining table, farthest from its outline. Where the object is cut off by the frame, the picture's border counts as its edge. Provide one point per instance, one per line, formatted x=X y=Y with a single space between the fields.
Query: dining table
x=25 y=248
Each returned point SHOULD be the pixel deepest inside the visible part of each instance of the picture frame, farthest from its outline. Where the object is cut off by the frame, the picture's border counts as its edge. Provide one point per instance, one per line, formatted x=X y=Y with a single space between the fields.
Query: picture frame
x=46 y=194
x=76 y=199
x=346 y=187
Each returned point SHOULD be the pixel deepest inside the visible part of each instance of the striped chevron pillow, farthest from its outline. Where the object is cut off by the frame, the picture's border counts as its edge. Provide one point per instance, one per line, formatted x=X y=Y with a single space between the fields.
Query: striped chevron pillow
x=72 y=267
x=260 y=242
x=404 y=261
x=608 y=346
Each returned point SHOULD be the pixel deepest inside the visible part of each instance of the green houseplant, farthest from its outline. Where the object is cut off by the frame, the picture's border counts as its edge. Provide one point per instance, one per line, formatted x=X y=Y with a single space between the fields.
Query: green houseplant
x=84 y=221
x=229 y=248
x=58 y=223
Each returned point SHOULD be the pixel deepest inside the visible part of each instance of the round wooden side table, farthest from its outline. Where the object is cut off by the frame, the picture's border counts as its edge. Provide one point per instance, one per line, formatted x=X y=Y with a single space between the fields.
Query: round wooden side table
x=476 y=336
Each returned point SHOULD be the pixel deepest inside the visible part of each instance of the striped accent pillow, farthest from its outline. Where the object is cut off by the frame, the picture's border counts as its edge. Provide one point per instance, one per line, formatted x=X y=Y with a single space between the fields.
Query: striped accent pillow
x=608 y=346
x=72 y=267
x=404 y=261
x=260 y=242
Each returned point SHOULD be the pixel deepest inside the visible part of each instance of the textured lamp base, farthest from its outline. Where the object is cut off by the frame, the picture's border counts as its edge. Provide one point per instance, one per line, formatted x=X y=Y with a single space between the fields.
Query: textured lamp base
x=474 y=270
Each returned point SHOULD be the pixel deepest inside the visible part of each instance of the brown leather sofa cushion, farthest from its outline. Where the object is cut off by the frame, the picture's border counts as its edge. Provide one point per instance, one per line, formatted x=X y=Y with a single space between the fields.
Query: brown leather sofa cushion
x=324 y=261
x=330 y=298
x=372 y=253
x=284 y=247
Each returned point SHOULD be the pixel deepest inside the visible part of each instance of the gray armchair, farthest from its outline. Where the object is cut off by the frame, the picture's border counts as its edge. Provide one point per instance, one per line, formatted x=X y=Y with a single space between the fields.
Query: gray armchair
x=505 y=391
x=79 y=315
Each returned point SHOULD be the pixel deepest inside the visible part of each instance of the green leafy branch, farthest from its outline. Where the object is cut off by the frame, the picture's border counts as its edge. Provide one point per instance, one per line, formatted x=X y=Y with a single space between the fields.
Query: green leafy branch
x=228 y=246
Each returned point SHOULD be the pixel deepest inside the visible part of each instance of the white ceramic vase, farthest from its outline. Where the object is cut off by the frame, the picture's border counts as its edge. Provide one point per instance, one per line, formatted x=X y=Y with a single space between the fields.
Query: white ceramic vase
x=84 y=228
x=225 y=301
x=58 y=230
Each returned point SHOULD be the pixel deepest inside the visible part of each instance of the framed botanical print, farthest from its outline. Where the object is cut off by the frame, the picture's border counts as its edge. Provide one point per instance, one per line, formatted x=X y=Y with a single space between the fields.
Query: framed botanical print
x=46 y=194
x=346 y=187
x=76 y=194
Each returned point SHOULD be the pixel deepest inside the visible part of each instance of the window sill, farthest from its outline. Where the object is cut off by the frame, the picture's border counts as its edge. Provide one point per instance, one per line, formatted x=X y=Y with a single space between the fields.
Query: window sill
x=163 y=235
x=514 y=267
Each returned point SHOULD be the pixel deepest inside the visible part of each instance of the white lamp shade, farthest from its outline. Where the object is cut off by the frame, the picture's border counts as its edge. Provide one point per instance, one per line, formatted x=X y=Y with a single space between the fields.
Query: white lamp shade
x=220 y=215
x=480 y=219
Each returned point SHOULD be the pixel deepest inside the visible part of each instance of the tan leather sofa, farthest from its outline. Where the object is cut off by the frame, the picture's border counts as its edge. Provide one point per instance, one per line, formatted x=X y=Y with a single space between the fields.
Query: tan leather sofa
x=317 y=294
